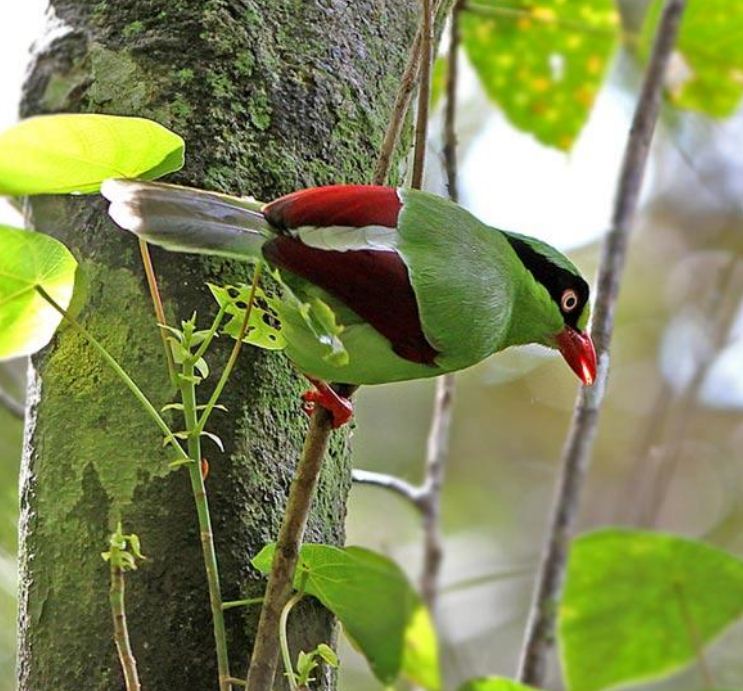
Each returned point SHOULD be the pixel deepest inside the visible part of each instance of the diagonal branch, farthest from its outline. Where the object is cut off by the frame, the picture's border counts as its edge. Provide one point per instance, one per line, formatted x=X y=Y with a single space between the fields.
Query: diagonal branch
x=577 y=450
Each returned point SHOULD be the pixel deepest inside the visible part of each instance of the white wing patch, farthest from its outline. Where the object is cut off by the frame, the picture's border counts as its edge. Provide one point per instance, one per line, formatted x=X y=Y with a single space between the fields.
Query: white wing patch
x=347 y=238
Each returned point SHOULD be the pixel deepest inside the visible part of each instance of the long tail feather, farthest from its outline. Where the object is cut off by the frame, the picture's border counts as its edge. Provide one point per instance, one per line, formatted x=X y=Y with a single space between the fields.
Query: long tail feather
x=186 y=219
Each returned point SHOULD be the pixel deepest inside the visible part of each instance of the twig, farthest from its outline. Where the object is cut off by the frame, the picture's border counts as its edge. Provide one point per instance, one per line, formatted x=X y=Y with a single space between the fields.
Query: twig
x=157 y=303
x=414 y=494
x=424 y=95
x=436 y=454
x=437 y=449
x=121 y=631
x=14 y=407
x=279 y=589
x=402 y=99
x=577 y=450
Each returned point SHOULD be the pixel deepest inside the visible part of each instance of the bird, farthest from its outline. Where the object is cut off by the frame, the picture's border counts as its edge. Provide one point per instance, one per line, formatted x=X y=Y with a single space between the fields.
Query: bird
x=416 y=285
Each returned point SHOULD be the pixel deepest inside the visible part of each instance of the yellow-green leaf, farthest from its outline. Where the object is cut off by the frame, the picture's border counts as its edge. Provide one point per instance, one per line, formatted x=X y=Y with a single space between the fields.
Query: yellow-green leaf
x=706 y=72
x=542 y=61
x=75 y=153
x=27 y=260
x=638 y=604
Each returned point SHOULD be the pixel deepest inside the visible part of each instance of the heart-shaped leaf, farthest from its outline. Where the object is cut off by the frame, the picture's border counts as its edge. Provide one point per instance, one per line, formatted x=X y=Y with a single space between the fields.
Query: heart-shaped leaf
x=380 y=611
x=27 y=260
x=75 y=153
x=637 y=605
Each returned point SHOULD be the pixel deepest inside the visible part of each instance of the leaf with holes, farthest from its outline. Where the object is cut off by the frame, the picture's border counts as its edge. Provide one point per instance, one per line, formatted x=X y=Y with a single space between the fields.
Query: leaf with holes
x=706 y=70
x=27 y=260
x=381 y=613
x=542 y=61
x=637 y=605
x=75 y=153
x=264 y=326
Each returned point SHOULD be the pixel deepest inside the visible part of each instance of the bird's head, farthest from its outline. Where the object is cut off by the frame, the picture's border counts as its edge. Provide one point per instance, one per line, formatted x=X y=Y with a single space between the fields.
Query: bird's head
x=558 y=306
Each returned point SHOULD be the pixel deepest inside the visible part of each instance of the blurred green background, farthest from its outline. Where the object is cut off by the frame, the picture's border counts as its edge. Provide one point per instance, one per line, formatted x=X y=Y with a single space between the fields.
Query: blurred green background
x=668 y=453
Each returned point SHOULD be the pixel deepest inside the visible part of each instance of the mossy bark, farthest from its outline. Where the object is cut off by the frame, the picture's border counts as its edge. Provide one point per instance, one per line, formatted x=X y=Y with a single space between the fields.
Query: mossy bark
x=270 y=95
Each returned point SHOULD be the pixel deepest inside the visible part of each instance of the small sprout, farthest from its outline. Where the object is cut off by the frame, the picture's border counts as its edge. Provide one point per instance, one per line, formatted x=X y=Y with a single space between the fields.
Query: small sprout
x=124 y=550
x=309 y=662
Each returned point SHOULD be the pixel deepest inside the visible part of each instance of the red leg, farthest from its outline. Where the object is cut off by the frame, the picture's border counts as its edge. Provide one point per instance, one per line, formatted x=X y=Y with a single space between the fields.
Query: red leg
x=323 y=395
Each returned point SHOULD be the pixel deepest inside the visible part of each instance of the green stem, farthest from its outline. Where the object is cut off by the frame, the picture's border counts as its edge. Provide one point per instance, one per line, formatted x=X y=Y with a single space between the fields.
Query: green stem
x=242 y=603
x=121 y=631
x=232 y=361
x=120 y=372
x=286 y=655
x=210 y=335
x=188 y=397
x=157 y=303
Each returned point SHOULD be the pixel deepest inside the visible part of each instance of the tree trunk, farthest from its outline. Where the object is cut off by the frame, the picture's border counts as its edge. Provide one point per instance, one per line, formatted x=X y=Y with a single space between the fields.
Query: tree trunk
x=270 y=96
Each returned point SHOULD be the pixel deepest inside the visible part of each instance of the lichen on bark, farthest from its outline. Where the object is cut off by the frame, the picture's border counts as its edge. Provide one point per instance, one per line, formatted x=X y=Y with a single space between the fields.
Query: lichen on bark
x=270 y=96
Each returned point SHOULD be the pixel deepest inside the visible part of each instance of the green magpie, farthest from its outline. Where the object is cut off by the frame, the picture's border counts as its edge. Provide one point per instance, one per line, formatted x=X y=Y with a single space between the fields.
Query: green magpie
x=417 y=285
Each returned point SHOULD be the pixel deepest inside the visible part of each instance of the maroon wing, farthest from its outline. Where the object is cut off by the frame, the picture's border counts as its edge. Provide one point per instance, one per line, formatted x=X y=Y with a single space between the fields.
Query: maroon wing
x=374 y=284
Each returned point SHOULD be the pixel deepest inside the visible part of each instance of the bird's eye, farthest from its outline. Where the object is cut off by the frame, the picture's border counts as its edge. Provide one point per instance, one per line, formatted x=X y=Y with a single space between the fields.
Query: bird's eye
x=569 y=300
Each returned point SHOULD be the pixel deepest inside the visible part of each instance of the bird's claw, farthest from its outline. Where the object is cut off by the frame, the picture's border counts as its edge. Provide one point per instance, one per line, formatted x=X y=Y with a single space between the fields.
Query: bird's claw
x=340 y=408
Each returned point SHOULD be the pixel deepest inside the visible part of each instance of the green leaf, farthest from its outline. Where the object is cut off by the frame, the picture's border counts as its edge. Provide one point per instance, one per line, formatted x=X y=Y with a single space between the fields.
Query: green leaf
x=264 y=326
x=542 y=61
x=75 y=153
x=706 y=72
x=327 y=654
x=380 y=611
x=494 y=684
x=28 y=259
x=636 y=604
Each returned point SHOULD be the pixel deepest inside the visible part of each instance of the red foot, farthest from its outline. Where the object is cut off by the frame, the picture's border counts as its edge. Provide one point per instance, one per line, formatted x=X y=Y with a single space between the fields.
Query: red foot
x=323 y=395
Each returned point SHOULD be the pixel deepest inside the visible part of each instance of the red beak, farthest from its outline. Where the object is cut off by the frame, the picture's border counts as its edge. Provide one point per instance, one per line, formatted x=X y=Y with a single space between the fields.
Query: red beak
x=577 y=349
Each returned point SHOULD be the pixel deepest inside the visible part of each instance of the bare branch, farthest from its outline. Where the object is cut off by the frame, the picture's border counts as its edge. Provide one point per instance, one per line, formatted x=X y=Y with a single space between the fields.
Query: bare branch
x=404 y=96
x=414 y=494
x=577 y=450
x=424 y=95
x=280 y=581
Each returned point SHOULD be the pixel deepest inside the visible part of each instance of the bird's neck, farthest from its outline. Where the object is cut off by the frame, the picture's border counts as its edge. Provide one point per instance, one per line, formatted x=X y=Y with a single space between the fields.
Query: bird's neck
x=535 y=318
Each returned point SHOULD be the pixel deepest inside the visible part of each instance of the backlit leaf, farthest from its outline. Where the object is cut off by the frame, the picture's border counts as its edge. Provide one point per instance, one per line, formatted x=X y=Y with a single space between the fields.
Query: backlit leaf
x=75 y=153
x=706 y=71
x=542 y=61
x=637 y=604
x=27 y=260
